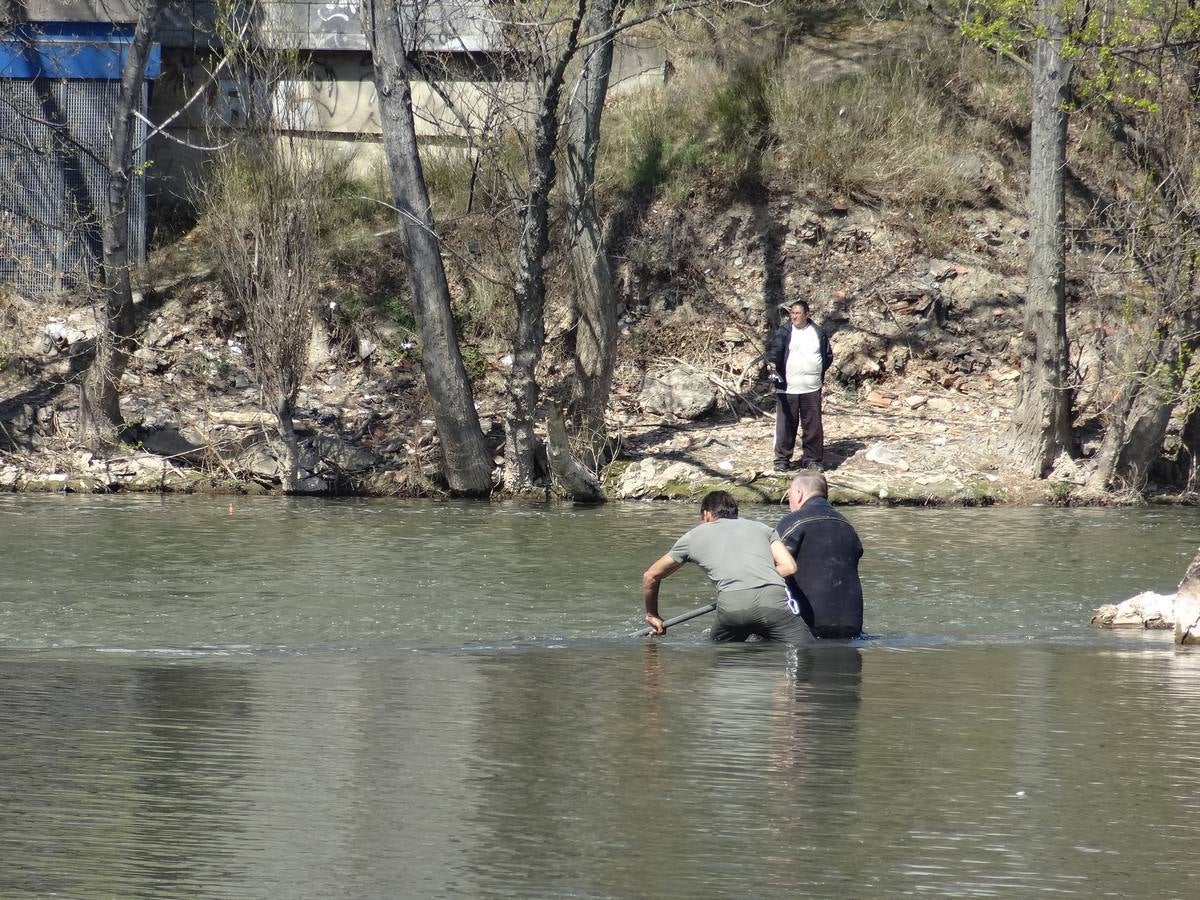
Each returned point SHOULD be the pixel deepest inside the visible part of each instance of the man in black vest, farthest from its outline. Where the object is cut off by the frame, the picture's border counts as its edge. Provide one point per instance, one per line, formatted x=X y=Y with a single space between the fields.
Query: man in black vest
x=797 y=357
x=827 y=550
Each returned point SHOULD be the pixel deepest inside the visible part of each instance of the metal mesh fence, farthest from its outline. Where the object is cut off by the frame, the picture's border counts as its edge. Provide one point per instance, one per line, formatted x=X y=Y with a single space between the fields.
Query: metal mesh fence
x=54 y=137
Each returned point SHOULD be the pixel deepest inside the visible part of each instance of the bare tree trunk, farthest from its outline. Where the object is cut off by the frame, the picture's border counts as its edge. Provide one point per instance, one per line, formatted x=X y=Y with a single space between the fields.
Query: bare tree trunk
x=1041 y=424
x=521 y=466
x=1143 y=431
x=285 y=415
x=1137 y=427
x=100 y=399
x=1188 y=464
x=467 y=461
x=595 y=326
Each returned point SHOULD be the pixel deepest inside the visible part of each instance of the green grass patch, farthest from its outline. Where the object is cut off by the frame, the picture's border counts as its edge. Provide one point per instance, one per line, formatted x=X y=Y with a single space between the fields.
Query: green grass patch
x=660 y=139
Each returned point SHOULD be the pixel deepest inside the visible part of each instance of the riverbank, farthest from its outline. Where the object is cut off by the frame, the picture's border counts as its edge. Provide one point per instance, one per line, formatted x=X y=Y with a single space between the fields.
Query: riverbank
x=900 y=444
x=916 y=405
x=917 y=273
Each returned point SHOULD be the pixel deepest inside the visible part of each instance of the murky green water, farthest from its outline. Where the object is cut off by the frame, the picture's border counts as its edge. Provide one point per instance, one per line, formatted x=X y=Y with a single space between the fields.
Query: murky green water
x=370 y=699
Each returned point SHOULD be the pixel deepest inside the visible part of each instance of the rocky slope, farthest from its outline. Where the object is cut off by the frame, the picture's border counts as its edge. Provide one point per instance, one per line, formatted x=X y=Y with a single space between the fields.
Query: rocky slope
x=916 y=403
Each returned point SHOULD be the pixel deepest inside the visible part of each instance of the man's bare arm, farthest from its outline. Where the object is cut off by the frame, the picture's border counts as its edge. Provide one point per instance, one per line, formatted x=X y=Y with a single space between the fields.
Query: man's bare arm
x=785 y=565
x=651 y=579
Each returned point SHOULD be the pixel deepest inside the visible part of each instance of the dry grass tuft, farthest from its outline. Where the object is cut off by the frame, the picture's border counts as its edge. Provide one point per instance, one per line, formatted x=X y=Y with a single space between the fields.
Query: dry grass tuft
x=907 y=122
x=878 y=133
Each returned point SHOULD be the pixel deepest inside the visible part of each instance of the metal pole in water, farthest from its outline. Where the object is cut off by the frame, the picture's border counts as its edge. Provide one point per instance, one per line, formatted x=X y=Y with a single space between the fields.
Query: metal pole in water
x=682 y=617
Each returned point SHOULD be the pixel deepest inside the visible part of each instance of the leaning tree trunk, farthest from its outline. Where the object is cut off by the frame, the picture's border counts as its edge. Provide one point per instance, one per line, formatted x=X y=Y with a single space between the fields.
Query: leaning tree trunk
x=1138 y=423
x=1188 y=463
x=572 y=480
x=99 y=390
x=467 y=461
x=595 y=326
x=522 y=470
x=1187 y=605
x=1155 y=375
x=1041 y=422
x=1145 y=431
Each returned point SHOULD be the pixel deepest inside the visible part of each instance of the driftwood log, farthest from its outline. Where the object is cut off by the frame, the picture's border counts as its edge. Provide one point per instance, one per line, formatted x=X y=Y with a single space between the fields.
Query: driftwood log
x=1187 y=605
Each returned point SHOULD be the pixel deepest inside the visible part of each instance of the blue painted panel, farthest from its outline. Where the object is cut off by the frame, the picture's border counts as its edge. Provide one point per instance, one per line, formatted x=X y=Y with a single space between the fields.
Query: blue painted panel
x=70 y=50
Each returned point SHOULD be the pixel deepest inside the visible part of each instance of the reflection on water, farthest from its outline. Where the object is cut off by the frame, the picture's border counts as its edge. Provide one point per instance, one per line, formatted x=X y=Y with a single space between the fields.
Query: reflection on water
x=369 y=700
x=623 y=771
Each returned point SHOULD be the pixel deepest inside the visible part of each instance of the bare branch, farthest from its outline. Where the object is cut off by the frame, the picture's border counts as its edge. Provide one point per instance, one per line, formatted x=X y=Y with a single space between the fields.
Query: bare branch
x=181 y=141
x=156 y=129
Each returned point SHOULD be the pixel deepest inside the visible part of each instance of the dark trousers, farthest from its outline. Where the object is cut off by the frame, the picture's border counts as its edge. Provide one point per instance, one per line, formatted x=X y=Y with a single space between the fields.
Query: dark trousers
x=799 y=412
x=761 y=611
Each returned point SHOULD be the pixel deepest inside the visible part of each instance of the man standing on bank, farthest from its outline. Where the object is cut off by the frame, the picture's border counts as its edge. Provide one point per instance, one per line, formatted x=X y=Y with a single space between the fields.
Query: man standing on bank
x=827 y=550
x=746 y=562
x=797 y=357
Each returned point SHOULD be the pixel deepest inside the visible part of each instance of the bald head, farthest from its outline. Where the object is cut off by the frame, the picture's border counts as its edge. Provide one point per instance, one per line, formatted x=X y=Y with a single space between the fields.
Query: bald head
x=805 y=486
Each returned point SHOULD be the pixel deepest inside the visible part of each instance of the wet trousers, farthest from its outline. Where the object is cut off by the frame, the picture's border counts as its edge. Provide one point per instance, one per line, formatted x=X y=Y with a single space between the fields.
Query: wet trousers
x=762 y=611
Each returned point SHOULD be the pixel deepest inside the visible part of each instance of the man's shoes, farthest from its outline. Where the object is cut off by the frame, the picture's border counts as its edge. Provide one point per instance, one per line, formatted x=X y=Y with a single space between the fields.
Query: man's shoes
x=782 y=466
x=812 y=467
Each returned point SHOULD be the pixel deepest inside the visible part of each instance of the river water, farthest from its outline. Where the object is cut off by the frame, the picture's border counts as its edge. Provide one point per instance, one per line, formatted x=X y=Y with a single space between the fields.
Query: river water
x=359 y=699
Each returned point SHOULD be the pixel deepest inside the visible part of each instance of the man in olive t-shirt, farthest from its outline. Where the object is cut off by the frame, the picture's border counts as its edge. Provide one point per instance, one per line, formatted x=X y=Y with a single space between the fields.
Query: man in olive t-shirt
x=746 y=562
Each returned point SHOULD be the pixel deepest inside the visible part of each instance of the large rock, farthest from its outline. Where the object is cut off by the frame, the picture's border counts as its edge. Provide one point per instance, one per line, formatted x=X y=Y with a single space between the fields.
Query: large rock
x=144 y=472
x=883 y=455
x=651 y=478
x=678 y=394
x=258 y=461
x=1146 y=610
x=185 y=444
x=344 y=457
x=857 y=355
x=311 y=485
